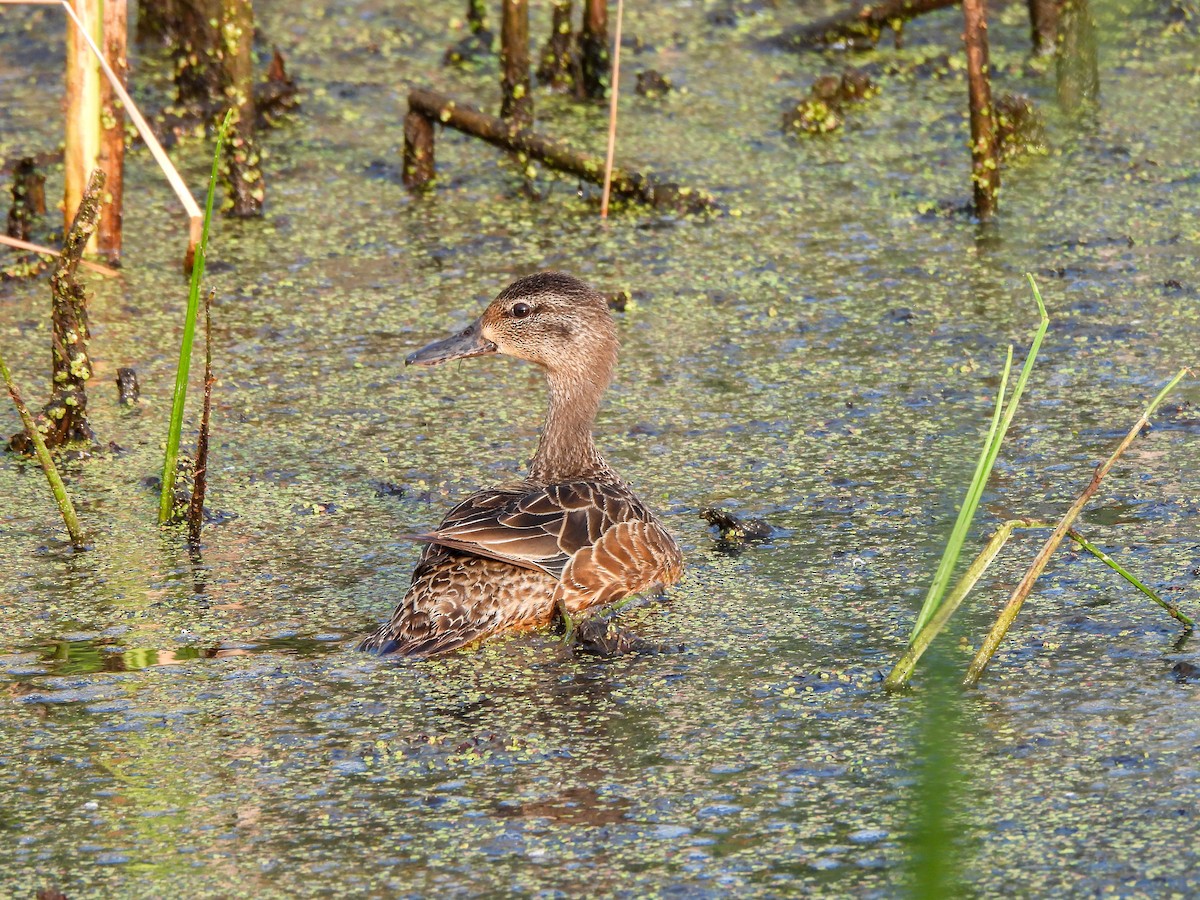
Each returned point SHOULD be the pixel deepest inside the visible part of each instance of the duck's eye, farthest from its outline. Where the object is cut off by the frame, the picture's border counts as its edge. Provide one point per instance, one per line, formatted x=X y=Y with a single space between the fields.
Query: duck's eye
x=520 y=310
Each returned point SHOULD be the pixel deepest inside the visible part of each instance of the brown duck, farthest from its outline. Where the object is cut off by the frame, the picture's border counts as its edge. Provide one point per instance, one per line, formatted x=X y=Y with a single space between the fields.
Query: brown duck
x=572 y=535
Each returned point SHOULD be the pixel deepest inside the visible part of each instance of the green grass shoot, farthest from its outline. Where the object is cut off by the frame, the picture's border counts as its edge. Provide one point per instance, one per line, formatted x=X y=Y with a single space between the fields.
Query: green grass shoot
x=39 y=445
x=166 y=501
x=1001 y=419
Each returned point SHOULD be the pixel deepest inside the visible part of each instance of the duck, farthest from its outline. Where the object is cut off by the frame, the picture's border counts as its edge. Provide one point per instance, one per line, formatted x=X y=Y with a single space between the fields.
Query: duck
x=570 y=537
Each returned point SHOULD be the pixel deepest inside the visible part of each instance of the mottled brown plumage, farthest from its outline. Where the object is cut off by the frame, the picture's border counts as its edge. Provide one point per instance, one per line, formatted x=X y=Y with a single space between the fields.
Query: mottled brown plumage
x=572 y=535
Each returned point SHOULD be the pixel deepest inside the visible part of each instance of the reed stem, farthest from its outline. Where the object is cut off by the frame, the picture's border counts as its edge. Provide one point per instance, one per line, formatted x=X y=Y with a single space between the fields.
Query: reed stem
x=171 y=458
x=65 y=507
x=1172 y=610
x=612 y=113
x=1021 y=592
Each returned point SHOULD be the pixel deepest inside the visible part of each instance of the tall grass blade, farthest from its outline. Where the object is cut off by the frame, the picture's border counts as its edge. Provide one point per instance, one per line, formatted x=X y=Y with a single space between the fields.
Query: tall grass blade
x=171 y=459
x=65 y=507
x=966 y=513
x=983 y=469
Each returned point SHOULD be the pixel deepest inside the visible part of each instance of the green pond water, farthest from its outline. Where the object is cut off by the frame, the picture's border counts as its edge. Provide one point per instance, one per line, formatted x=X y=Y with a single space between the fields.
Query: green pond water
x=824 y=355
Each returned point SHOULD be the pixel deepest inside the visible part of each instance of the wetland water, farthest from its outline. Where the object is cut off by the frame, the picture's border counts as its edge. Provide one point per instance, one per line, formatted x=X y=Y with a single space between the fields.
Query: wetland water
x=826 y=357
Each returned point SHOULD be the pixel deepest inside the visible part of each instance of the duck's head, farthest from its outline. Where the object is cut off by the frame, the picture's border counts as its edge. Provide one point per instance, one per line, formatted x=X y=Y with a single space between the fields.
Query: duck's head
x=552 y=319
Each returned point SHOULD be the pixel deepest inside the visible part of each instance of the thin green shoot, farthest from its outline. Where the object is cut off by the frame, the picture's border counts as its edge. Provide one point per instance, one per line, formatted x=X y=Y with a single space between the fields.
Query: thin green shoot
x=983 y=469
x=1174 y=611
x=171 y=458
x=65 y=507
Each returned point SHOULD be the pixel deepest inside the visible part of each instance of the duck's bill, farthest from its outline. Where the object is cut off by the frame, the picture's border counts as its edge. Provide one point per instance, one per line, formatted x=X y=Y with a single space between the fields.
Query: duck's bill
x=464 y=345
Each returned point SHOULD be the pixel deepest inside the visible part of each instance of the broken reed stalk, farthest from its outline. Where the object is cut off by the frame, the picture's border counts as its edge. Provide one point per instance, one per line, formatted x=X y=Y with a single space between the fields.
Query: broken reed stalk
x=992 y=642
x=985 y=147
x=195 y=217
x=65 y=507
x=558 y=64
x=171 y=458
x=612 y=113
x=112 y=131
x=64 y=416
x=1043 y=26
x=200 y=472
x=859 y=26
x=1077 y=73
x=516 y=104
x=419 y=165
x=246 y=187
x=983 y=468
x=81 y=148
x=593 y=49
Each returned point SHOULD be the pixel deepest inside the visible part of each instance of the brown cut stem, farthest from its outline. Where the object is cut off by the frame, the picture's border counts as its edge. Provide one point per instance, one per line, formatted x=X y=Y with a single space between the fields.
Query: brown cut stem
x=195 y=217
x=612 y=114
x=593 y=49
x=1043 y=26
x=516 y=104
x=419 y=166
x=1009 y=614
x=112 y=137
x=82 y=139
x=555 y=154
x=985 y=150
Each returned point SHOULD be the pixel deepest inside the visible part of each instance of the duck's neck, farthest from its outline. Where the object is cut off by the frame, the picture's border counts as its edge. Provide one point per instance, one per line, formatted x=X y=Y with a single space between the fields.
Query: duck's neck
x=566 y=451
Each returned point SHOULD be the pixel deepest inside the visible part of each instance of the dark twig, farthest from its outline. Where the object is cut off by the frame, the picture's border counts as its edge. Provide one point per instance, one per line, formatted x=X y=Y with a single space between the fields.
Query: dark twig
x=200 y=472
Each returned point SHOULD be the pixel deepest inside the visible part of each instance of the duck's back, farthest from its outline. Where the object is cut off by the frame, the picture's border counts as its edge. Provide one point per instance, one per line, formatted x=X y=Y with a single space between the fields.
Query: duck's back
x=504 y=558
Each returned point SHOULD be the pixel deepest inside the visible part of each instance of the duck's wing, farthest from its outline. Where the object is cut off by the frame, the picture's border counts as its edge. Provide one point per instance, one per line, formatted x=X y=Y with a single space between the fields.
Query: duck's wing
x=538 y=527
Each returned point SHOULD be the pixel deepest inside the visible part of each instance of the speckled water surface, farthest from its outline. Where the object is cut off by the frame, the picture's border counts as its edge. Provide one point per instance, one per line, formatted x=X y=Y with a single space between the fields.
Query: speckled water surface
x=823 y=355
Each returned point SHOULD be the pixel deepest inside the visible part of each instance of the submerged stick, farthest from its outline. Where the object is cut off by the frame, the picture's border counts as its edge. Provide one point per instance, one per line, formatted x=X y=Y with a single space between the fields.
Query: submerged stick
x=859 y=27
x=1021 y=592
x=171 y=458
x=555 y=154
x=200 y=473
x=612 y=114
x=65 y=507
